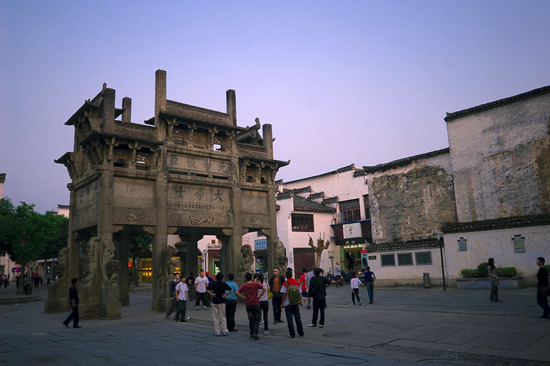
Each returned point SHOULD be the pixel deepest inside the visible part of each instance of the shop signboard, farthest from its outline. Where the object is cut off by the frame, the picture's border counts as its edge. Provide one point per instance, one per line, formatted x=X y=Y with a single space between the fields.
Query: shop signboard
x=352 y=230
x=260 y=244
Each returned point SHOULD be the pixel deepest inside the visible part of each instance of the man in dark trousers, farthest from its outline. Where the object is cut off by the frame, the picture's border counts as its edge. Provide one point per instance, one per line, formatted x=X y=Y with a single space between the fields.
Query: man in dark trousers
x=249 y=292
x=275 y=284
x=292 y=311
x=317 y=291
x=73 y=298
x=173 y=299
x=542 y=282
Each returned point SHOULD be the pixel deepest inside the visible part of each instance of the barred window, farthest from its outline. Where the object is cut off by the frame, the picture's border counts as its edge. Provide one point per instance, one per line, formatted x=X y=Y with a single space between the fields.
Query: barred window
x=519 y=244
x=387 y=260
x=462 y=245
x=423 y=258
x=405 y=259
x=367 y=206
x=350 y=211
x=302 y=222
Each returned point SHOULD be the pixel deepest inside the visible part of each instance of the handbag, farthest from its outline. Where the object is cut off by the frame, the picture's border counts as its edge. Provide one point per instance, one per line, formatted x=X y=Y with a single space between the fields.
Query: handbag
x=269 y=294
x=544 y=291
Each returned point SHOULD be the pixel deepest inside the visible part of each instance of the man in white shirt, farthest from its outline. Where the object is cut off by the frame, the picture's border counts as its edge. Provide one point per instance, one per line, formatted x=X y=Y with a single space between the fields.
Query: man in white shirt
x=201 y=283
x=182 y=294
x=338 y=271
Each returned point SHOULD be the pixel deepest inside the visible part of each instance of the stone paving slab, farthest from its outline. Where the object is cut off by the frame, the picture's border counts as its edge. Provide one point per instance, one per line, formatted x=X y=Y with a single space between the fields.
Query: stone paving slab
x=404 y=326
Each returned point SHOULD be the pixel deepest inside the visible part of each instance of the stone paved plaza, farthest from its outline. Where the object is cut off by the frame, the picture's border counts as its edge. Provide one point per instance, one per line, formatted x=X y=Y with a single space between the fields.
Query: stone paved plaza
x=404 y=326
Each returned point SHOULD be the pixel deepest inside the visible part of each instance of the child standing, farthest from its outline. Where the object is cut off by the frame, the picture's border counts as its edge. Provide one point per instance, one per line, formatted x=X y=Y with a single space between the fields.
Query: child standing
x=355 y=282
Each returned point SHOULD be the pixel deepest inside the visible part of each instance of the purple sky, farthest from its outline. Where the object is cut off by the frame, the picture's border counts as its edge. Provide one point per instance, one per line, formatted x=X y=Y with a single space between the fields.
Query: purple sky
x=342 y=82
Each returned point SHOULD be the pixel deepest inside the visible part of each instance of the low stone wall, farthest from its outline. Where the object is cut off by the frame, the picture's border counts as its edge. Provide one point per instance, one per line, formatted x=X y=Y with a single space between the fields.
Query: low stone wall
x=418 y=282
x=475 y=283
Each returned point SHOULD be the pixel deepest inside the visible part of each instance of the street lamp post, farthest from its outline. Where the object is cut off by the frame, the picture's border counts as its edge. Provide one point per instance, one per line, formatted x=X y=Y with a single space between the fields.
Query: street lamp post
x=204 y=254
x=437 y=234
x=331 y=256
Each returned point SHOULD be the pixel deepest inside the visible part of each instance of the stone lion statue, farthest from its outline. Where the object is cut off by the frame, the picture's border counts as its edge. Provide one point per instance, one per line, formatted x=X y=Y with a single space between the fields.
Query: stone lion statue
x=166 y=264
x=63 y=267
x=112 y=269
x=109 y=265
x=92 y=261
x=247 y=260
x=281 y=260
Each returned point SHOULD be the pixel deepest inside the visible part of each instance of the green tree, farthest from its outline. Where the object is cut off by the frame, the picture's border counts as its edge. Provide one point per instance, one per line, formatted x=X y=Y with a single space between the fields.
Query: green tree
x=59 y=241
x=6 y=212
x=27 y=235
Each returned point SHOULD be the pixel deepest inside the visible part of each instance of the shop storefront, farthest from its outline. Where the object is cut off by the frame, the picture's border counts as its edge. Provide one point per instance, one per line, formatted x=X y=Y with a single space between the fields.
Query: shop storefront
x=352 y=239
x=260 y=255
x=214 y=257
x=145 y=268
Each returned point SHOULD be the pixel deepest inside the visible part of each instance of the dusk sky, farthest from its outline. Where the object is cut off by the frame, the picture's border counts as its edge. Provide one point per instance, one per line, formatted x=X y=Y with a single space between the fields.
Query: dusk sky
x=342 y=82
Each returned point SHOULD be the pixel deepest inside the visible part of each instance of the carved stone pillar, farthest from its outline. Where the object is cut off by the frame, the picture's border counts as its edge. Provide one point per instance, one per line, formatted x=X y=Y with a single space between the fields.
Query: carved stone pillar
x=191 y=263
x=72 y=243
x=123 y=277
x=109 y=305
x=271 y=233
x=225 y=251
x=161 y=291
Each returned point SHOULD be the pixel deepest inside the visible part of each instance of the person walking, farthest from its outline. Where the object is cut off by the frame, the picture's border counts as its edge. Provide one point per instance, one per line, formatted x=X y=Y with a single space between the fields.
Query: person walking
x=74 y=299
x=275 y=284
x=308 y=278
x=292 y=311
x=249 y=292
x=264 y=301
x=338 y=271
x=201 y=282
x=317 y=291
x=369 y=279
x=493 y=277
x=303 y=286
x=173 y=299
x=354 y=283
x=182 y=295
x=219 y=290
x=191 y=286
x=231 y=303
x=542 y=285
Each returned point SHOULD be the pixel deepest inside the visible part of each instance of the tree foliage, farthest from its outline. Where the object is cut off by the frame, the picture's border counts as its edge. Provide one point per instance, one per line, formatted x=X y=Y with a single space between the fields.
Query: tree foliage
x=141 y=245
x=26 y=235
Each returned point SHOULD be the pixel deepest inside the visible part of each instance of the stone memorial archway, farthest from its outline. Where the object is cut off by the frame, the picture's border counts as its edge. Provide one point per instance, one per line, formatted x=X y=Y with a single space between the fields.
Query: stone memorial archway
x=188 y=171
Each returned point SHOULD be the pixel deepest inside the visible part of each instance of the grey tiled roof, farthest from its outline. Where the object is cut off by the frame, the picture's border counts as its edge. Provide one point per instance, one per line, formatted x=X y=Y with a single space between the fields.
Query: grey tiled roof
x=497 y=103
x=403 y=162
x=304 y=204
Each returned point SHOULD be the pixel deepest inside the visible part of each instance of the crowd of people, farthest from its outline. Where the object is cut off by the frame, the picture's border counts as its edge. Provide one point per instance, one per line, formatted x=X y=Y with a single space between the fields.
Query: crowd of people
x=4 y=280
x=285 y=292
x=29 y=280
